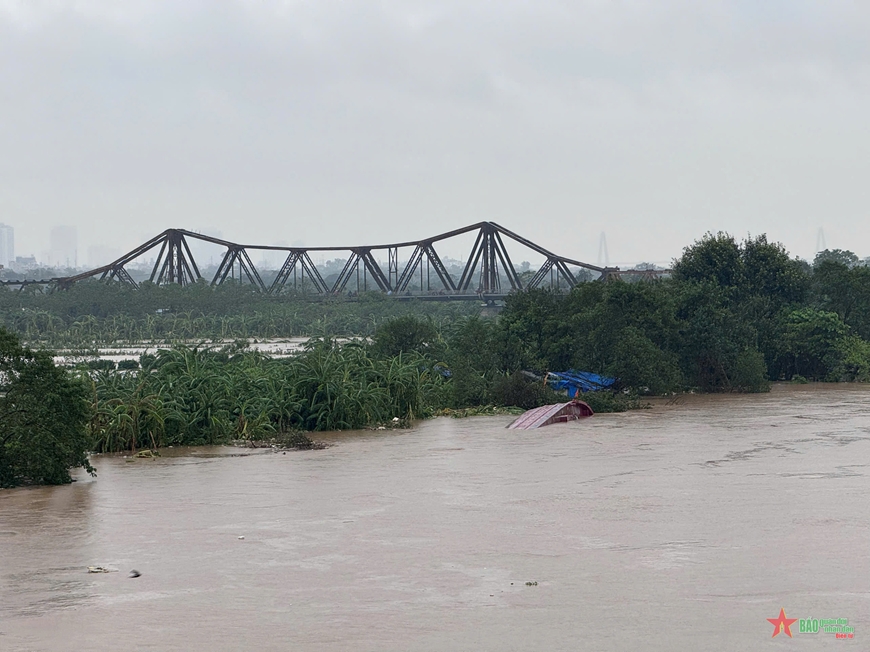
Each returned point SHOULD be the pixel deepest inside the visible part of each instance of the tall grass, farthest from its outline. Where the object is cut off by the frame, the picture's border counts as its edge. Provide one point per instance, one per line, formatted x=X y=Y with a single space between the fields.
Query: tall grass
x=192 y=396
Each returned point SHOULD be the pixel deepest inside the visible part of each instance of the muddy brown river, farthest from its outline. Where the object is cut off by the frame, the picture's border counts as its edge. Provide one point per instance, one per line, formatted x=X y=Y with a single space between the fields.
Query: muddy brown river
x=682 y=527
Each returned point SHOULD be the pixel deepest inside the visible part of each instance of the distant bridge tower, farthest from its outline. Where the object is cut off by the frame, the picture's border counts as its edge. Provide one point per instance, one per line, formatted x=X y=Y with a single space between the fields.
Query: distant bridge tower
x=603 y=256
x=821 y=245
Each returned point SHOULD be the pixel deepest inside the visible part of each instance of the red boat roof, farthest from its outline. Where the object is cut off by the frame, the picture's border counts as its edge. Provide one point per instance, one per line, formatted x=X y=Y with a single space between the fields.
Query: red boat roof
x=547 y=414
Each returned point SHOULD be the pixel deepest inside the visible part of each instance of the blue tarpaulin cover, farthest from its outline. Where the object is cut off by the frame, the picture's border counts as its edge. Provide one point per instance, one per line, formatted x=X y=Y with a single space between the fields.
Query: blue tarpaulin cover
x=578 y=381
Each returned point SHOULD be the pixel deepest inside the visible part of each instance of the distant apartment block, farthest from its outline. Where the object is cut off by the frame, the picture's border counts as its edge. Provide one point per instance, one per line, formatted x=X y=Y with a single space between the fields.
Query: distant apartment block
x=24 y=263
x=7 y=246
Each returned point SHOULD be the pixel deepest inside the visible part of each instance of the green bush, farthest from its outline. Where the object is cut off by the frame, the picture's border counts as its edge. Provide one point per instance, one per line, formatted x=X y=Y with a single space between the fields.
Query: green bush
x=407 y=334
x=812 y=342
x=100 y=365
x=519 y=391
x=851 y=361
x=468 y=386
x=750 y=372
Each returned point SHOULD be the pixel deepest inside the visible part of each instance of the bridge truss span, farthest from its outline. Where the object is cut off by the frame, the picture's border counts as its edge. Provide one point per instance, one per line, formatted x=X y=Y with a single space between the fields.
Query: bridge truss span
x=488 y=269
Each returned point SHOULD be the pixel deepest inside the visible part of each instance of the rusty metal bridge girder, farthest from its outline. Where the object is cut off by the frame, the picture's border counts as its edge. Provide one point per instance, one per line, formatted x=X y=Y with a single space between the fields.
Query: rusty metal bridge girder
x=175 y=263
x=236 y=258
x=298 y=258
x=489 y=270
x=119 y=274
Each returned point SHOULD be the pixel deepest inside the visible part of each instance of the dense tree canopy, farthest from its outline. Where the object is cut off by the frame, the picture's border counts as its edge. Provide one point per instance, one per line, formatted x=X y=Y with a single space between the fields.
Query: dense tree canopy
x=734 y=316
x=43 y=412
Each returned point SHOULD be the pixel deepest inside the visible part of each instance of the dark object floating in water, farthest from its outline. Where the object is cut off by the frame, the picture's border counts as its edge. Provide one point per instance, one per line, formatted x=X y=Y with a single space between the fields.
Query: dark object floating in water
x=547 y=414
x=135 y=573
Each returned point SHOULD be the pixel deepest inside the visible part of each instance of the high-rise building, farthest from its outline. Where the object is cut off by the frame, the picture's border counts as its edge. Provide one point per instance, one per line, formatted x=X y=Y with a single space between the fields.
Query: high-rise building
x=64 y=247
x=7 y=245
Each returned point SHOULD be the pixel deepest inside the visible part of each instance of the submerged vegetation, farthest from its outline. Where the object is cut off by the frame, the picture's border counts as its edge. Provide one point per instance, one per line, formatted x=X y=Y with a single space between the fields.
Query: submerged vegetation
x=189 y=396
x=409 y=370
x=94 y=313
x=734 y=316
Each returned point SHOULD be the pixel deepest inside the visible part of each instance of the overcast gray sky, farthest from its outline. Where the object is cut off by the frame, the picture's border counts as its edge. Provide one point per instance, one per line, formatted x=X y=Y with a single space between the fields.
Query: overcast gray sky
x=352 y=122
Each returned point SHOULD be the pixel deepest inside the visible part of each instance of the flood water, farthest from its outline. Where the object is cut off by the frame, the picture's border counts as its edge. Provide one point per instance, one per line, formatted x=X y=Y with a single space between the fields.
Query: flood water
x=282 y=347
x=682 y=527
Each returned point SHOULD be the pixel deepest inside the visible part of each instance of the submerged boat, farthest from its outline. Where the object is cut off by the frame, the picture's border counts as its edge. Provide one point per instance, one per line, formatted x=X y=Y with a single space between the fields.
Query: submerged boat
x=547 y=414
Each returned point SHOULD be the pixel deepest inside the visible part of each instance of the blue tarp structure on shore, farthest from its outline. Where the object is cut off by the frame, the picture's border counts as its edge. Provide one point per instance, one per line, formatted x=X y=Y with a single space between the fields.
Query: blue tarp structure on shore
x=578 y=381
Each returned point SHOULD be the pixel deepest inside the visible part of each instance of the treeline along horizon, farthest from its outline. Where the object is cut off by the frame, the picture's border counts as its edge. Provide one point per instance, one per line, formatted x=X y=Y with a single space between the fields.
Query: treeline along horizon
x=733 y=317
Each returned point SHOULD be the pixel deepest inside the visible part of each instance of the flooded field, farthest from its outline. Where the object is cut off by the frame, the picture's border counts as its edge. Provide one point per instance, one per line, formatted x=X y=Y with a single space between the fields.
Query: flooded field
x=682 y=527
x=275 y=347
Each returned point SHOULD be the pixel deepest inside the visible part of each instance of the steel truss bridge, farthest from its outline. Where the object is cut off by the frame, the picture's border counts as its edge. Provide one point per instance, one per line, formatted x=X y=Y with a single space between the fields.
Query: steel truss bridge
x=488 y=273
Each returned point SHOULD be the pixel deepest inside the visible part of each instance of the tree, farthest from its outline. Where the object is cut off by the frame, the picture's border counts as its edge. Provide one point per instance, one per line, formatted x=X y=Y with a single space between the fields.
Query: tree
x=770 y=273
x=843 y=257
x=43 y=413
x=852 y=360
x=715 y=258
x=642 y=365
x=405 y=335
x=844 y=290
x=812 y=341
x=712 y=336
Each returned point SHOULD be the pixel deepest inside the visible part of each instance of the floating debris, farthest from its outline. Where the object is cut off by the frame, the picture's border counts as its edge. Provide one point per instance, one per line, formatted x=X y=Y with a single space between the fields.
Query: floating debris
x=135 y=573
x=531 y=583
x=101 y=569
